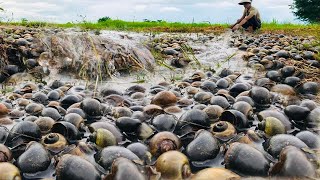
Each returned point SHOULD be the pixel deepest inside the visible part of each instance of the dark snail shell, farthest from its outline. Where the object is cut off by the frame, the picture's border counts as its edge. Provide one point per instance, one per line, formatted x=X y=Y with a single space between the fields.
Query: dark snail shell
x=245 y=99
x=68 y=130
x=223 y=130
x=245 y=108
x=9 y=172
x=240 y=157
x=220 y=101
x=69 y=100
x=310 y=88
x=163 y=142
x=52 y=113
x=311 y=105
x=261 y=97
x=91 y=107
x=292 y=81
x=209 y=86
x=238 y=88
x=74 y=119
x=22 y=133
x=215 y=173
x=312 y=140
x=40 y=97
x=123 y=168
x=173 y=165
x=164 y=122
x=194 y=117
x=108 y=126
x=275 y=144
x=223 y=83
x=35 y=159
x=107 y=155
x=103 y=138
x=293 y=163
x=237 y=118
x=274 y=76
x=203 y=147
x=295 y=112
x=288 y=71
x=127 y=124
x=313 y=119
x=203 y=97
x=53 y=95
x=34 y=109
x=75 y=168
x=77 y=111
x=141 y=150
x=5 y=154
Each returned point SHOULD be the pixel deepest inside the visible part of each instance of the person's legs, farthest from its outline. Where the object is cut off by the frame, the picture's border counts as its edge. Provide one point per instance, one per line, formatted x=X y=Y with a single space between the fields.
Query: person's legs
x=253 y=22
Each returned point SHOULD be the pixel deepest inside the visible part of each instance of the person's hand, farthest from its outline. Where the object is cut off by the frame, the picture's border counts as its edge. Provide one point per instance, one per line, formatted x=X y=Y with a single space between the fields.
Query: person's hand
x=236 y=27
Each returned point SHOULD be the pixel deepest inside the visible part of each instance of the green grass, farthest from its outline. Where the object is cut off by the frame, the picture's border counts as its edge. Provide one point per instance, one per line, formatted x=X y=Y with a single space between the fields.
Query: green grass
x=128 y=26
x=162 y=26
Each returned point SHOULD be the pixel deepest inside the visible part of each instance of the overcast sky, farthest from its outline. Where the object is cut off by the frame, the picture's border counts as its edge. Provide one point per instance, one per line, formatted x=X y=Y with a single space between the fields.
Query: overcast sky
x=214 y=11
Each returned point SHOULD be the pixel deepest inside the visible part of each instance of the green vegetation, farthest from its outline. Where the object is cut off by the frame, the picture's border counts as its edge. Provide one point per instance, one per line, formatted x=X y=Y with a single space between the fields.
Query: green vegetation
x=307 y=10
x=163 y=26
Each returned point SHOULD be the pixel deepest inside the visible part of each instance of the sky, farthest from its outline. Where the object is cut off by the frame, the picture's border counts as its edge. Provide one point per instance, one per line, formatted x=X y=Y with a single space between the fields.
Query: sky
x=213 y=11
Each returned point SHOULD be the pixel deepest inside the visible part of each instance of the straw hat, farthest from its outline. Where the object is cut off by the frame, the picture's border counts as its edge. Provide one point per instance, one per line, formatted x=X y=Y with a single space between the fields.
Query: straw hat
x=244 y=1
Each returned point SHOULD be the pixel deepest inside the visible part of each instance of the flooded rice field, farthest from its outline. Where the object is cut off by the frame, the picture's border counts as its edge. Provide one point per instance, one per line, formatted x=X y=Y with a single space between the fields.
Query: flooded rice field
x=123 y=105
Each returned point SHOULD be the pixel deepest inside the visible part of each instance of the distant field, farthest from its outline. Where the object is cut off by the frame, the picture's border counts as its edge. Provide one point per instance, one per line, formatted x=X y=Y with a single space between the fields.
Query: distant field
x=162 y=26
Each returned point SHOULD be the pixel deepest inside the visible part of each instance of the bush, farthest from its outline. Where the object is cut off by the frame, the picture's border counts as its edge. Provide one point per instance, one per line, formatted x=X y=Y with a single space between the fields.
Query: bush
x=104 y=19
x=307 y=10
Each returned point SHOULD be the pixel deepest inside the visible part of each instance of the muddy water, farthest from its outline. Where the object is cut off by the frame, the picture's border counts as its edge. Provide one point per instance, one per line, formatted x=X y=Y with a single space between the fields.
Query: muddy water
x=211 y=50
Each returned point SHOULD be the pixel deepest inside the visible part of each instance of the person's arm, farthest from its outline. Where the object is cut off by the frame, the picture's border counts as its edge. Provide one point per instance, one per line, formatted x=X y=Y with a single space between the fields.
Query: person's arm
x=238 y=21
x=244 y=20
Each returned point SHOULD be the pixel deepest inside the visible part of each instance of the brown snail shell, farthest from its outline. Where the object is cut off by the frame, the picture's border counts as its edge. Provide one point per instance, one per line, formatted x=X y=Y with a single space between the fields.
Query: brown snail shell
x=163 y=142
x=152 y=110
x=164 y=99
x=245 y=108
x=75 y=119
x=283 y=89
x=45 y=124
x=173 y=110
x=54 y=142
x=173 y=165
x=293 y=163
x=123 y=168
x=215 y=173
x=239 y=158
x=9 y=172
x=34 y=109
x=5 y=154
x=75 y=168
x=214 y=112
x=223 y=130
